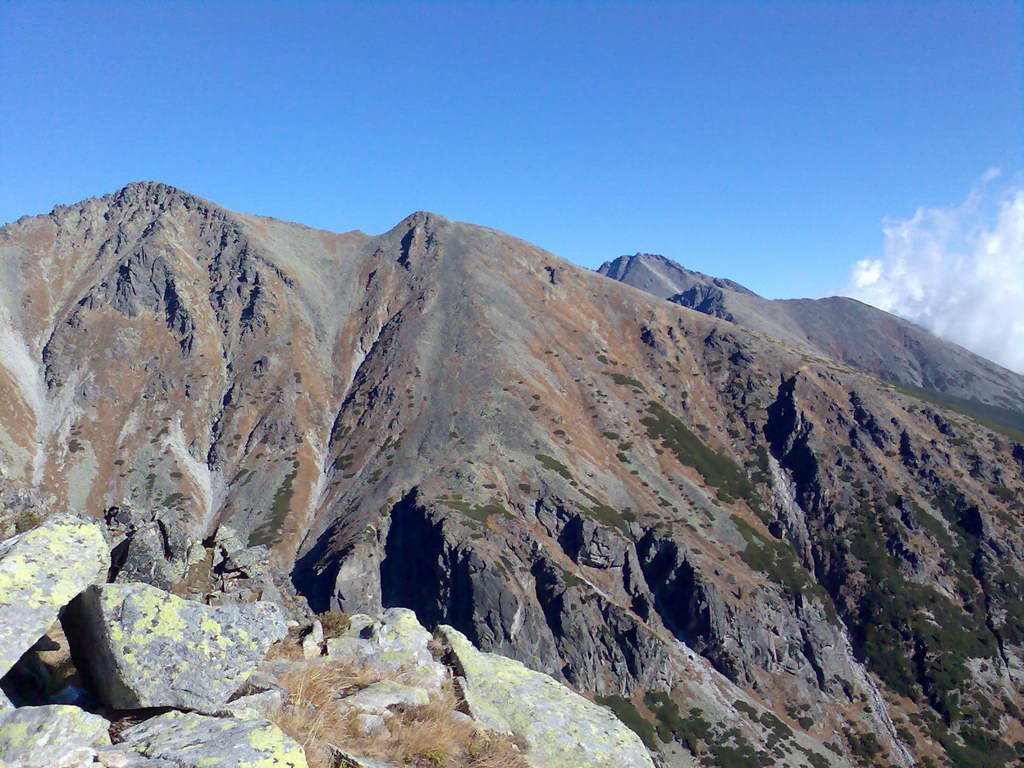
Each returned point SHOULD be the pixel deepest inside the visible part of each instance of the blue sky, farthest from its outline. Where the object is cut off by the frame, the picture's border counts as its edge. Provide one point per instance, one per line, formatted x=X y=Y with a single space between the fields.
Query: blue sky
x=766 y=142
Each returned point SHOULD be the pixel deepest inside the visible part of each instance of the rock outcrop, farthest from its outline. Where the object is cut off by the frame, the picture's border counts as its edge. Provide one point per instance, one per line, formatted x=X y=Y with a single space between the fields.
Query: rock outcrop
x=143 y=647
x=561 y=727
x=395 y=643
x=189 y=740
x=41 y=570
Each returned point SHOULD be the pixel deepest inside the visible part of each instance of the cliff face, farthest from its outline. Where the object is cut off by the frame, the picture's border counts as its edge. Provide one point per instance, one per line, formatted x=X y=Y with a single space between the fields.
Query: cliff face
x=749 y=550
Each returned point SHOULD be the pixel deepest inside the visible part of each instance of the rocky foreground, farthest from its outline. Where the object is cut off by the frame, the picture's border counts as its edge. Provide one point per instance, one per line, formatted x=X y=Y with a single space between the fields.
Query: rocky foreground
x=155 y=680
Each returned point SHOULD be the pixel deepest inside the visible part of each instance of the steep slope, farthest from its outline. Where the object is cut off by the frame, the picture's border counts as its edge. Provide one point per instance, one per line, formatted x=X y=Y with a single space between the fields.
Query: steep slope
x=846 y=330
x=752 y=553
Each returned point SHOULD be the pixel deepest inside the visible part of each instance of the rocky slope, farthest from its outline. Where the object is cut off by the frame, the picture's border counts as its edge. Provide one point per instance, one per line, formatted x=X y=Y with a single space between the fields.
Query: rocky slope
x=749 y=550
x=848 y=331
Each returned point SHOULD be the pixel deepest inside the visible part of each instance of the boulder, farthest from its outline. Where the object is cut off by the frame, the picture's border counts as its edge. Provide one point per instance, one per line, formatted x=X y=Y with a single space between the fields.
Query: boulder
x=561 y=727
x=34 y=737
x=147 y=549
x=41 y=571
x=190 y=740
x=139 y=646
x=397 y=643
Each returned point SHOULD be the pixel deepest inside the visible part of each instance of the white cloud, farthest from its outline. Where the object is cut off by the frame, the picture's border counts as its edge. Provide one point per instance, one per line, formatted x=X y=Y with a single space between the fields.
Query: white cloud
x=959 y=272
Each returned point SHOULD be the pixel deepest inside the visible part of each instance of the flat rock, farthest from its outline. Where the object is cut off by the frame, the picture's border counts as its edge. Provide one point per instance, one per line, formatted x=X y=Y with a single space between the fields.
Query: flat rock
x=383 y=696
x=190 y=740
x=41 y=571
x=143 y=647
x=561 y=727
x=34 y=737
x=397 y=643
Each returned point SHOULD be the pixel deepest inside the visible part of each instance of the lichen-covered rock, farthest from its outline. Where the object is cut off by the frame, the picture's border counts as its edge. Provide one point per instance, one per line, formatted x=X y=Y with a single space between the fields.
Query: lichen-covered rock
x=396 y=643
x=34 y=737
x=142 y=647
x=561 y=727
x=190 y=740
x=41 y=571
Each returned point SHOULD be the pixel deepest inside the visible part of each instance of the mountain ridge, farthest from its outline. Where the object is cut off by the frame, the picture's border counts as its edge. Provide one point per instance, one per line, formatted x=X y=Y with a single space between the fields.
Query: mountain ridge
x=891 y=348
x=656 y=505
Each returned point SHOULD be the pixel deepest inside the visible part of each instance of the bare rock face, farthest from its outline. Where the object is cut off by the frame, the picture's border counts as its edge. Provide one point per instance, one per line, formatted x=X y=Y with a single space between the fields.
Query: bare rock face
x=141 y=647
x=730 y=532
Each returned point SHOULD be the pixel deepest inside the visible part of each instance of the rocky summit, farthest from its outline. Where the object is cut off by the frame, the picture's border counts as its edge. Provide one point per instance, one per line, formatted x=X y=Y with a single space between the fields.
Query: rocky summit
x=280 y=496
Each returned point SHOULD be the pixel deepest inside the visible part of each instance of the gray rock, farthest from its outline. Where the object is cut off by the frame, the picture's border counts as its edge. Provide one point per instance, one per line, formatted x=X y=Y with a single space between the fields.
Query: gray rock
x=142 y=647
x=256 y=704
x=397 y=643
x=561 y=727
x=312 y=643
x=41 y=571
x=34 y=737
x=371 y=725
x=151 y=551
x=113 y=758
x=190 y=740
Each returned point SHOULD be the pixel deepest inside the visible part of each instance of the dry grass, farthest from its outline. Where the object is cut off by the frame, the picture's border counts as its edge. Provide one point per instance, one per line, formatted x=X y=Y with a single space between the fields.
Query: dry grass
x=334 y=623
x=289 y=647
x=431 y=736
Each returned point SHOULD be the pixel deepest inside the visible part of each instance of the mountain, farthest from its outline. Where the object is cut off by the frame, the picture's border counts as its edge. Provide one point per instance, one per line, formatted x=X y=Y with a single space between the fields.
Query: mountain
x=751 y=551
x=846 y=330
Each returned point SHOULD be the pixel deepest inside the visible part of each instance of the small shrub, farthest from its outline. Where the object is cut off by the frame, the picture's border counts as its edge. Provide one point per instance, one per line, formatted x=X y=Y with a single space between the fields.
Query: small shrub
x=334 y=623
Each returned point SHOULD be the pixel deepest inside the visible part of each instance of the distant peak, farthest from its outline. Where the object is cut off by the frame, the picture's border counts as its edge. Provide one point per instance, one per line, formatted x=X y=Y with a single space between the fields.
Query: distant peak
x=662 y=276
x=148 y=187
x=423 y=219
x=154 y=191
x=618 y=267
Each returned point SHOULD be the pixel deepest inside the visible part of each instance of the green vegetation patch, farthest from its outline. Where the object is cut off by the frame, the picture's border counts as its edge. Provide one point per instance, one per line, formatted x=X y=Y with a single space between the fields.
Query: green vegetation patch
x=717 y=470
x=628 y=714
x=689 y=731
x=477 y=512
x=605 y=514
x=625 y=381
x=555 y=465
x=266 y=534
x=939 y=637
